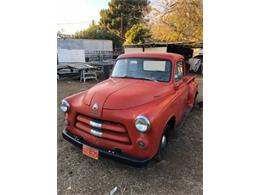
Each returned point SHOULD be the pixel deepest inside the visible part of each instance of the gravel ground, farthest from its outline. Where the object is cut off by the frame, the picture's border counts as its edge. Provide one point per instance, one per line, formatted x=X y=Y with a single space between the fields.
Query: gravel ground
x=179 y=173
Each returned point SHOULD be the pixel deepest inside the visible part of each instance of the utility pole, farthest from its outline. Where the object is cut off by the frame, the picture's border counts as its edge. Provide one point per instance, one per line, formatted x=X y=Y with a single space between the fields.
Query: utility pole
x=122 y=26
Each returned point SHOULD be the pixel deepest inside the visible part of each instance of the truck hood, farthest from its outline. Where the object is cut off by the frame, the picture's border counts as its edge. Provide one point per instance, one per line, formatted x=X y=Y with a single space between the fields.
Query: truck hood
x=122 y=93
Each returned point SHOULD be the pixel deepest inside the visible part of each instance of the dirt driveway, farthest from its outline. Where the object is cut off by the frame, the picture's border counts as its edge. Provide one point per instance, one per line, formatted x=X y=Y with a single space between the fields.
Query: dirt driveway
x=179 y=173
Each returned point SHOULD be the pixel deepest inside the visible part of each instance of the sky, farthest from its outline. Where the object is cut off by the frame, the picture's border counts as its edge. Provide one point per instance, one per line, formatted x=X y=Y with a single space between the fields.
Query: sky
x=76 y=15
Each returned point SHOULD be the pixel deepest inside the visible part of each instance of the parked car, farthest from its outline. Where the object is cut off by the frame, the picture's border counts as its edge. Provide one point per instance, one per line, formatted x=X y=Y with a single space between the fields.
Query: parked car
x=130 y=116
x=196 y=62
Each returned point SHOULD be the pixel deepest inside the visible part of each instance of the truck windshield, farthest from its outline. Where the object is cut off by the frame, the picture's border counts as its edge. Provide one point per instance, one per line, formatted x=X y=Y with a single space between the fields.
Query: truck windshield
x=140 y=68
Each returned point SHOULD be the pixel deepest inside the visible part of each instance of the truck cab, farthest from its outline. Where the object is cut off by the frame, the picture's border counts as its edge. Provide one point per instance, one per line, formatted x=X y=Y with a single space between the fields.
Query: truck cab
x=130 y=116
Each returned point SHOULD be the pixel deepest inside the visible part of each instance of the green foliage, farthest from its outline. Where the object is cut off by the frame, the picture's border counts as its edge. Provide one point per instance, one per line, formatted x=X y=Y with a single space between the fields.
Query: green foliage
x=137 y=34
x=95 y=31
x=132 y=11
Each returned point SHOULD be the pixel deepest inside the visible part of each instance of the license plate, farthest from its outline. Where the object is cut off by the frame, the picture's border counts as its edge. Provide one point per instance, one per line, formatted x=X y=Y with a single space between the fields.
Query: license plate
x=90 y=152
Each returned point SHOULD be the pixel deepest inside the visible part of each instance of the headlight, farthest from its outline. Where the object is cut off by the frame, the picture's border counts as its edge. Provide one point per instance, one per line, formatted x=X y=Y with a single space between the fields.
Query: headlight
x=142 y=124
x=64 y=106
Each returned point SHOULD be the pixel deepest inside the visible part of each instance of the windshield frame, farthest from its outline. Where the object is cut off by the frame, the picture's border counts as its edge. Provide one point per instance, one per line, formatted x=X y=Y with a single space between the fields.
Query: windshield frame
x=148 y=58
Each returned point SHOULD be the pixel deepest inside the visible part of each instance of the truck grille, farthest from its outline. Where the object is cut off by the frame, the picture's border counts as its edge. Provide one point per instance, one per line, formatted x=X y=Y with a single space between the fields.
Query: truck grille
x=103 y=129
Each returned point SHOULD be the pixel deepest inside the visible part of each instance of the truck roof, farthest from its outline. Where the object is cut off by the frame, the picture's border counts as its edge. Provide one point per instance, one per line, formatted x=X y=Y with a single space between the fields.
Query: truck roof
x=174 y=56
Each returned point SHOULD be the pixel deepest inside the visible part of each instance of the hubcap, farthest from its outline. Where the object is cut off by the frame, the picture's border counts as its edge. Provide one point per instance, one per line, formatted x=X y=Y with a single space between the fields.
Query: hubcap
x=163 y=142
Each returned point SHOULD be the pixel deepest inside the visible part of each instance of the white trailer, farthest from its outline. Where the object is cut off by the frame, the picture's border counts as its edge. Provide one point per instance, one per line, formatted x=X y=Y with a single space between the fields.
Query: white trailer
x=93 y=49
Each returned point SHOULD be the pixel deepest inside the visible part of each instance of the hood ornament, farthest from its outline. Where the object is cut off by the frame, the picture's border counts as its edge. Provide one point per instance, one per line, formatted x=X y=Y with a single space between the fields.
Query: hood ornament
x=95 y=107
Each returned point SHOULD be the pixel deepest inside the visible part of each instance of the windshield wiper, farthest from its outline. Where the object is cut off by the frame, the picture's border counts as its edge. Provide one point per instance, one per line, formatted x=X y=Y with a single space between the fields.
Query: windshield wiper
x=141 y=78
x=125 y=76
x=148 y=79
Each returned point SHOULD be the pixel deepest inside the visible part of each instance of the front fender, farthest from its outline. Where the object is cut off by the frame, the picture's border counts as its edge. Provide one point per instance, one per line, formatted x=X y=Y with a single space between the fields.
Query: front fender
x=159 y=112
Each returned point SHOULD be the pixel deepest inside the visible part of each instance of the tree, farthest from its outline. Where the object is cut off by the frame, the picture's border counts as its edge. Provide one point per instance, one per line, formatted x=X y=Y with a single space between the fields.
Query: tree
x=123 y=12
x=61 y=35
x=178 y=20
x=95 y=31
x=137 y=34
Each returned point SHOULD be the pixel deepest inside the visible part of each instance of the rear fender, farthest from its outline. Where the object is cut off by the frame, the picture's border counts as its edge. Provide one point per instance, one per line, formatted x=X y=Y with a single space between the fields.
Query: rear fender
x=193 y=92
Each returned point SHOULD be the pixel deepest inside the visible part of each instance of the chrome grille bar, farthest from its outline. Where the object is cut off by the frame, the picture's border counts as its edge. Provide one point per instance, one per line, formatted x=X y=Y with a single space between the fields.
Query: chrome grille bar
x=95 y=124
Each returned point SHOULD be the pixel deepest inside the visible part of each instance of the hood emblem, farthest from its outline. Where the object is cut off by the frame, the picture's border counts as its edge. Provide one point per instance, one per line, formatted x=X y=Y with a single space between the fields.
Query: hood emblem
x=95 y=107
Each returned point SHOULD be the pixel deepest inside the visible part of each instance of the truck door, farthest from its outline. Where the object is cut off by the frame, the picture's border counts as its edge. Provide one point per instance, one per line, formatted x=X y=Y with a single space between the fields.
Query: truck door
x=181 y=89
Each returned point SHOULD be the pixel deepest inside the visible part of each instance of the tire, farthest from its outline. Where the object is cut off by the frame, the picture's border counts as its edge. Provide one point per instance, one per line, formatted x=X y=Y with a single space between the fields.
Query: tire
x=163 y=144
x=194 y=102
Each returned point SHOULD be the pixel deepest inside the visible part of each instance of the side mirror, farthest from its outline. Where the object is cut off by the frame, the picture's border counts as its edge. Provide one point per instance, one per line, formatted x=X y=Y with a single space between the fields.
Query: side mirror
x=185 y=79
x=176 y=86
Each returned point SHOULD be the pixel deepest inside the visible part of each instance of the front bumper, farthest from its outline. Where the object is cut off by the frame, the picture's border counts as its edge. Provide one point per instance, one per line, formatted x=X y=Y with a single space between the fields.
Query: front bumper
x=77 y=141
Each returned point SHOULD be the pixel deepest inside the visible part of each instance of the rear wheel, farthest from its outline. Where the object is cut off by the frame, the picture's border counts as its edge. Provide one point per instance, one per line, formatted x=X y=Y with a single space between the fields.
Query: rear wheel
x=195 y=101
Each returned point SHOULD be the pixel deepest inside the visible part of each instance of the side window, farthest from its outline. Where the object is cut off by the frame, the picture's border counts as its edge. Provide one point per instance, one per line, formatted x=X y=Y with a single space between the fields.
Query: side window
x=178 y=71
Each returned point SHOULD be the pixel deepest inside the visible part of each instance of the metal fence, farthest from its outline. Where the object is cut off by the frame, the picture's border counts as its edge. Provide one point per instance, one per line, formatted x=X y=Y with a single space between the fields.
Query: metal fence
x=101 y=55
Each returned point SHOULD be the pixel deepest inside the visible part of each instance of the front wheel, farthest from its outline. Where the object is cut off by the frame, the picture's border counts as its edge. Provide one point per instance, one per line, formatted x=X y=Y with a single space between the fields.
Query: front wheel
x=163 y=144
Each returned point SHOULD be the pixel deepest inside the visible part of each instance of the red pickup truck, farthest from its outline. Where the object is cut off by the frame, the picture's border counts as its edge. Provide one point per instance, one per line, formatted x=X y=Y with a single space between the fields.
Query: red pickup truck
x=130 y=115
